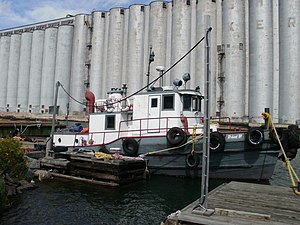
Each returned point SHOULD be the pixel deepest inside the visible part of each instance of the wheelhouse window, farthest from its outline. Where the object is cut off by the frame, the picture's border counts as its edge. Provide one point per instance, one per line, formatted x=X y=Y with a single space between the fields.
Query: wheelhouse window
x=187 y=102
x=110 y=122
x=168 y=102
x=196 y=103
x=191 y=103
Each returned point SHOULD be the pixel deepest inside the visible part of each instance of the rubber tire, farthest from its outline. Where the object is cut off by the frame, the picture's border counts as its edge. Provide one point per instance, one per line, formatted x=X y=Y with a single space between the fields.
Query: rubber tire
x=130 y=147
x=255 y=136
x=293 y=138
x=217 y=142
x=192 y=161
x=60 y=149
x=282 y=134
x=176 y=136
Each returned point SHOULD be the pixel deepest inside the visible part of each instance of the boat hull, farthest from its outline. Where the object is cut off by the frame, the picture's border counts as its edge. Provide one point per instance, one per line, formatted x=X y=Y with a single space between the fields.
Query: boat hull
x=238 y=160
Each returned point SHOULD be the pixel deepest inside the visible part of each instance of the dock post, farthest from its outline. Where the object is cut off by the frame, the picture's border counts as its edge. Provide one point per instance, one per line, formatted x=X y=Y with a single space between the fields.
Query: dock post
x=201 y=208
x=49 y=145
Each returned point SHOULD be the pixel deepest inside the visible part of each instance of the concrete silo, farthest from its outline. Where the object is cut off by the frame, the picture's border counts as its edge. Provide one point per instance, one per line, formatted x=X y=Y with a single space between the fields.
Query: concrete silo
x=63 y=65
x=13 y=72
x=233 y=16
x=261 y=58
x=48 y=70
x=79 y=52
x=96 y=73
x=113 y=76
x=135 y=49
x=36 y=63
x=289 y=58
x=24 y=72
x=157 y=38
x=181 y=37
x=4 y=59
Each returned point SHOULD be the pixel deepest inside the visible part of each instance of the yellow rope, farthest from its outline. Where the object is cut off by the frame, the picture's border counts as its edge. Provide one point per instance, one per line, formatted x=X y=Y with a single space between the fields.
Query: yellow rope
x=194 y=138
x=194 y=135
x=289 y=166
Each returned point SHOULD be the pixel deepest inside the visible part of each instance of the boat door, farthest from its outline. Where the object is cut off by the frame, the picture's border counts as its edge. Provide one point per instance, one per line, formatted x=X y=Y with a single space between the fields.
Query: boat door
x=154 y=109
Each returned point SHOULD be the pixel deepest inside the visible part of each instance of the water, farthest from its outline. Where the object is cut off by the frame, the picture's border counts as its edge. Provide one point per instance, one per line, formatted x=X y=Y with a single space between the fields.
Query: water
x=145 y=202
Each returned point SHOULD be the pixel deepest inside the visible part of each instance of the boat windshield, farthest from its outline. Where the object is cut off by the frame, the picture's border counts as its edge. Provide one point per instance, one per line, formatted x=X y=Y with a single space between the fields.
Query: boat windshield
x=191 y=103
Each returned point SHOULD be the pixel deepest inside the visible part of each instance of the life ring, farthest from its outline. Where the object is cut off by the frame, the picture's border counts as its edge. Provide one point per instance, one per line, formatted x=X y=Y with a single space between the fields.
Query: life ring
x=176 y=136
x=255 y=136
x=192 y=160
x=217 y=142
x=127 y=106
x=130 y=146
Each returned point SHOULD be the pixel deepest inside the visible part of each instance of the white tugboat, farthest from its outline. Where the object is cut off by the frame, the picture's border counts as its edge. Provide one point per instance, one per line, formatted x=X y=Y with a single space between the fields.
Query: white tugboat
x=164 y=124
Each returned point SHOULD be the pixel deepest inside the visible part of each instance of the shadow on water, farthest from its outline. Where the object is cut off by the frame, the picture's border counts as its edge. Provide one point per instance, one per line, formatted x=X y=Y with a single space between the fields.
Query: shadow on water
x=145 y=202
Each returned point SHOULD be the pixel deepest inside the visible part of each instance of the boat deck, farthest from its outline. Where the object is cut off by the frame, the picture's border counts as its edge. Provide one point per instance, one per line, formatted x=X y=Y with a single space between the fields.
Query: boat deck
x=243 y=203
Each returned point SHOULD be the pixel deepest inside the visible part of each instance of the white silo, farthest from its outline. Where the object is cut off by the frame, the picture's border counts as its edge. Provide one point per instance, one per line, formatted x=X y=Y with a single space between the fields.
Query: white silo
x=157 y=38
x=104 y=87
x=36 y=63
x=63 y=65
x=289 y=58
x=13 y=72
x=79 y=52
x=169 y=9
x=181 y=37
x=24 y=72
x=146 y=43
x=125 y=47
x=289 y=61
x=261 y=58
x=96 y=73
x=48 y=71
x=4 y=59
x=205 y=8
x=113 y=76
x=233 y=16
x=135 y=50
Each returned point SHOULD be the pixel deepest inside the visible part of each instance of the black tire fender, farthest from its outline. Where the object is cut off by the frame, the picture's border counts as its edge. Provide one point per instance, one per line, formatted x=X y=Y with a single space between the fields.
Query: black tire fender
x=176 y=136
x=293 y=136
x=255 y=136
x=282 y=134
x=60 y=149
x=130 y=147
x=217 y=142
x=192 y=160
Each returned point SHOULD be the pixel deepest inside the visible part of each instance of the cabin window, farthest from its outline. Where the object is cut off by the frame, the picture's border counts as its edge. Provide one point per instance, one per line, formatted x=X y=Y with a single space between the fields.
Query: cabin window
x=196 y=103
x=168 y=102
x=186 y=102
x=154 y=103
x=110 y=122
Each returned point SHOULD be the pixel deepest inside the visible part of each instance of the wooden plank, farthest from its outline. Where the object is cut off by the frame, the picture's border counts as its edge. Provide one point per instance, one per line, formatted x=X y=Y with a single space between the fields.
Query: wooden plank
x=244 y=203
x=85 y=180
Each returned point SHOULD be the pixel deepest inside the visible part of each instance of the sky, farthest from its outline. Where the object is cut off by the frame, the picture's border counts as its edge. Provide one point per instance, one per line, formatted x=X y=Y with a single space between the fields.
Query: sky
x=14 y=13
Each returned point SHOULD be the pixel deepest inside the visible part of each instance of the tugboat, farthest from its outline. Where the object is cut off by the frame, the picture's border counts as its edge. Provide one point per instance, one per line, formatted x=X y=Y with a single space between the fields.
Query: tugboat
x=165 y=125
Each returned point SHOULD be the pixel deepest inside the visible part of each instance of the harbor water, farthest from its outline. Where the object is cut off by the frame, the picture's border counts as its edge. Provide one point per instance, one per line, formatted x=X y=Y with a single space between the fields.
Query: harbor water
x=145 y=202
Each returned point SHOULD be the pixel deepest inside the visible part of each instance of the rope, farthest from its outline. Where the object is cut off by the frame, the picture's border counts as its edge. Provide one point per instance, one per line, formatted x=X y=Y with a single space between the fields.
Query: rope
x=194 y=138
x=194 y=135
x=289 y=166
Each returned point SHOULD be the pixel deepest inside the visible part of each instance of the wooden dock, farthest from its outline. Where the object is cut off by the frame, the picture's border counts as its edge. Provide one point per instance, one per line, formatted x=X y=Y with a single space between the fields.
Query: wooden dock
x=243 y=203
x=87 y=168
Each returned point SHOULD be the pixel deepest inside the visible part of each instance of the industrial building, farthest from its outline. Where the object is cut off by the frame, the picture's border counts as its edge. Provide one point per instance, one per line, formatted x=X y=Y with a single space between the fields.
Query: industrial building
x=255 y=47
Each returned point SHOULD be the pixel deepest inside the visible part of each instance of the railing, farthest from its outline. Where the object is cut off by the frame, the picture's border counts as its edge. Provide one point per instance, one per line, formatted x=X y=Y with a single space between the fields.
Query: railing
x=140 y=129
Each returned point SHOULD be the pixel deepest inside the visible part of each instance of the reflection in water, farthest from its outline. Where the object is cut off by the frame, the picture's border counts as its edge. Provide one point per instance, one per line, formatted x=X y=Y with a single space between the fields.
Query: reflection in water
x=145 y=202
